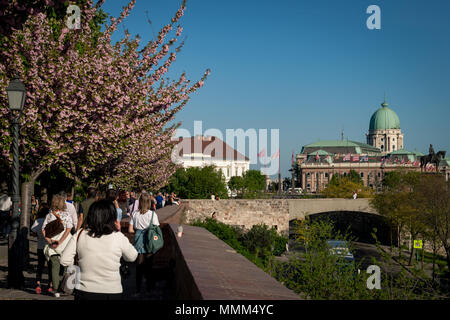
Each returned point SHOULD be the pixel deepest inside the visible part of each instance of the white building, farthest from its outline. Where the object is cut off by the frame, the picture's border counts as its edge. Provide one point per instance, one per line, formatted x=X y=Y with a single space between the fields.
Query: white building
x=202 y=151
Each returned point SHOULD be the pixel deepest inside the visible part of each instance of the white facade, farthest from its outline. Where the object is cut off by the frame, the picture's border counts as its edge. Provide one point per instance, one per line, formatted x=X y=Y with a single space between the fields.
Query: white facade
x=229 y=168
x=206 y=151
x=387 y=141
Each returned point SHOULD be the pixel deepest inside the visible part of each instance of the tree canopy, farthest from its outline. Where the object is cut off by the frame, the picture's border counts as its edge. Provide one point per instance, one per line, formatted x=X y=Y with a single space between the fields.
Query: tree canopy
x=198 y=183
x=97 y=111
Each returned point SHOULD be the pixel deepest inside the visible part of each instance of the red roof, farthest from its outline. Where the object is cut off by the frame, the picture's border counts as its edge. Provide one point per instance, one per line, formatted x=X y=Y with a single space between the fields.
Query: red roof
x=208 y=146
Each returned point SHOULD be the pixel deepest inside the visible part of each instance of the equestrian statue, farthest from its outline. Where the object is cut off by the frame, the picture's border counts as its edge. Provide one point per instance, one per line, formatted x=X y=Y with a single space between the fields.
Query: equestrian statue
x=432 y=157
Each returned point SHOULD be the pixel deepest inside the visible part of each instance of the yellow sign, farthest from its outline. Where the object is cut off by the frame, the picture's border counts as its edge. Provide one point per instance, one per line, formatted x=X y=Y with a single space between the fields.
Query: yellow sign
x=418 y=244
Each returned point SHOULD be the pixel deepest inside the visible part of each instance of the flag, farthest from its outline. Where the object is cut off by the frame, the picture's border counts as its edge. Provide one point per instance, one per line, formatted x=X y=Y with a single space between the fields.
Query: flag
x=355 y=157
x=365 y=159
x=317 y=156
x=262 y=153
x=329 y=160
x=403 y=161
x=276 y=154
x=347 y=157
x=409 y=161
x=396 y=160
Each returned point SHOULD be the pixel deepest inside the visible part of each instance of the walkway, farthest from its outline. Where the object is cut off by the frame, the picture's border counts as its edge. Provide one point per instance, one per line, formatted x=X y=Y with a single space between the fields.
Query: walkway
x=161 y=290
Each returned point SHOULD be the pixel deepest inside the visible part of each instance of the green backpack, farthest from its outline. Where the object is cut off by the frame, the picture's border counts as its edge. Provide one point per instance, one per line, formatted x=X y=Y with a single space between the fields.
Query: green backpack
x=155 y=239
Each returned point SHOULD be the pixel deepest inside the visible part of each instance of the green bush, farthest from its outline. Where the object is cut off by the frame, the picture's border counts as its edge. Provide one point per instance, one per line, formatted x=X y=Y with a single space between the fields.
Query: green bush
x=258 y=245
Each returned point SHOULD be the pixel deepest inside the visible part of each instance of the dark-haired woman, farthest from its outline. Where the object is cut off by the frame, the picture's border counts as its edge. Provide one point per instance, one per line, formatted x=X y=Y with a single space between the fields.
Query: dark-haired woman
x=112 y=195
x=139 y=222
x=37 y=228
x=99 y=247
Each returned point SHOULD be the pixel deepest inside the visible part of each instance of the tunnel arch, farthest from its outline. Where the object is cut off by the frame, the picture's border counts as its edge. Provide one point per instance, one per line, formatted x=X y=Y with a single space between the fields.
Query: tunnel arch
x=360 y=225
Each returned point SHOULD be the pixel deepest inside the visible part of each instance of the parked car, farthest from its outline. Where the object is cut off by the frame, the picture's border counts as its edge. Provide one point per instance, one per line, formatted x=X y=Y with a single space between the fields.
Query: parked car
x=340 y=248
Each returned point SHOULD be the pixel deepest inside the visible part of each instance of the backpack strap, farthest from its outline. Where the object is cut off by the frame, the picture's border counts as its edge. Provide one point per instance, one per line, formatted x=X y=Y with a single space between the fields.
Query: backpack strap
x=151 y=220
x=75 y=259
x=78 y=237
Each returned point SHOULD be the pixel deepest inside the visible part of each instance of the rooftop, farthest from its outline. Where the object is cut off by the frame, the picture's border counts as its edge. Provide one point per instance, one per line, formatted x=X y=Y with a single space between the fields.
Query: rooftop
x=209 y=147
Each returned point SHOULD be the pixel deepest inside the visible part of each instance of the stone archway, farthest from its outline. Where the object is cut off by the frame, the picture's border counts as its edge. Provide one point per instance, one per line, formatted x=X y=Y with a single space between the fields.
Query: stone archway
x=359 y=224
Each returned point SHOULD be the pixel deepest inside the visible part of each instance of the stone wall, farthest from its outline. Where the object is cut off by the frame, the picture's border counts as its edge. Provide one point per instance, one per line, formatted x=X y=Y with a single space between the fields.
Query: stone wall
x=300 y=208
x=272 y=212
x=240 y=212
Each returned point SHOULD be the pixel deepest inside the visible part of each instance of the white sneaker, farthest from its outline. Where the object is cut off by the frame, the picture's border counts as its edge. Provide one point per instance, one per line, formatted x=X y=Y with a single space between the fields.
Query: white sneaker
x=57 y=295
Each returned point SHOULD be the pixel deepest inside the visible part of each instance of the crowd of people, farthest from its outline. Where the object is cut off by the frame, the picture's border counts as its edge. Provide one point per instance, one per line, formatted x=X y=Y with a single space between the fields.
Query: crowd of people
x=90 y=236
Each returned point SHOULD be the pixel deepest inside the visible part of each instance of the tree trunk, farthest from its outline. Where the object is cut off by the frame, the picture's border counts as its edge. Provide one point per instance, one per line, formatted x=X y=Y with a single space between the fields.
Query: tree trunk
x=447 y=251
x=25 y=214
x=434 y=259
x=411 y=256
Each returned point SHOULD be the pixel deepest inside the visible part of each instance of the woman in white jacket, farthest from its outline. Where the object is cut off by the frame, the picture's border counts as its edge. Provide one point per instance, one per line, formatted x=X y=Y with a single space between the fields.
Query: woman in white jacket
x=56 y=245
x=99 y=248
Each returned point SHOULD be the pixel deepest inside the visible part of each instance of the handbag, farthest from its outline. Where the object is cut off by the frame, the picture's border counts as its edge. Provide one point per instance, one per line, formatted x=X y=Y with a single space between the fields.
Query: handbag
x=155 y=239
x=71 y=276
x=54 y=228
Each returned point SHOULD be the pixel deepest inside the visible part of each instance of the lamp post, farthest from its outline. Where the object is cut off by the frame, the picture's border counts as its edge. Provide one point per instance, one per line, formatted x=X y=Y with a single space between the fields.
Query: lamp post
x=16 y=99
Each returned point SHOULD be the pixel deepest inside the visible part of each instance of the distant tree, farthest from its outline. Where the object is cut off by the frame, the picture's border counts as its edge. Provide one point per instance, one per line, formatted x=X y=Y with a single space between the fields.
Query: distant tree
x=398 y=204
x=287 y=183
x=198 y=183
x=431 y=196
x=344 y=186
x=254 y=181
x=236 y=184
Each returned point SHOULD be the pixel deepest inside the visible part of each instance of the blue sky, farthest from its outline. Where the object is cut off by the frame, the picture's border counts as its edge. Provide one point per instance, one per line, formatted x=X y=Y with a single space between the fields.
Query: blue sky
x=310 y=68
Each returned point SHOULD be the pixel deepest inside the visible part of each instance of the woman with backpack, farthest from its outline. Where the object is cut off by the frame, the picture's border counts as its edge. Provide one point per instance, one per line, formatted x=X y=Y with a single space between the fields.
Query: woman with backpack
x=56 y=243
x=99 y=249
x=139 y=222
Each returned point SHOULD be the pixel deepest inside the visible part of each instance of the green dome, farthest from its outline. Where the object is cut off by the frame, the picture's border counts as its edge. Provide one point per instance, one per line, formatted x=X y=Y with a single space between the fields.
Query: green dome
x=384 y=118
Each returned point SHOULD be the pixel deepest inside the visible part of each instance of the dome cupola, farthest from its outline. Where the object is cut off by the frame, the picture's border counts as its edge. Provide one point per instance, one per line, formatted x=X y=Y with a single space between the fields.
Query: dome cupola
x=384 y=118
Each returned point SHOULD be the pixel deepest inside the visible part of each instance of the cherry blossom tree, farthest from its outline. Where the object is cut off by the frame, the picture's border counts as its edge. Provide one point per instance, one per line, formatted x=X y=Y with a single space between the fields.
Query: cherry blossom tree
x=93 y=108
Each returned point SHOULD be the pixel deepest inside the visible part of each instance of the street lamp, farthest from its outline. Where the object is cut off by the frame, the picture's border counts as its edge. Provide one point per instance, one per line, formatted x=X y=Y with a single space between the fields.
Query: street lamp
x=16 y=99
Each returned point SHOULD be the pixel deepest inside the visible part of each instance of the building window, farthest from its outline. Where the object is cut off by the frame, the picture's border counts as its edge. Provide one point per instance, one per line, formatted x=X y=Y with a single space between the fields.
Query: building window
x=308 y=175
x=393 y=147
x=345 y=174
x=382 y=147
x=362 y=174
x=326 y=174
x=379 y=174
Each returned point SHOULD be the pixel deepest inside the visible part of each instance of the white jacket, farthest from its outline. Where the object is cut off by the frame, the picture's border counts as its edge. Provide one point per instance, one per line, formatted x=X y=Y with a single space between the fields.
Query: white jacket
x=99 y=260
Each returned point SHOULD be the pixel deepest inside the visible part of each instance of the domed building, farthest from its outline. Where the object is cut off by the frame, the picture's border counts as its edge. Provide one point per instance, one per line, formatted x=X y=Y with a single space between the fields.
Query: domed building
x=319 y=161
x=384 y=130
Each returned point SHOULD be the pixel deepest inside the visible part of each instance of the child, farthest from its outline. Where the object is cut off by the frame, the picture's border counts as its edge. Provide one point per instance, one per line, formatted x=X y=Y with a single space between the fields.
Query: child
x=37 y=228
